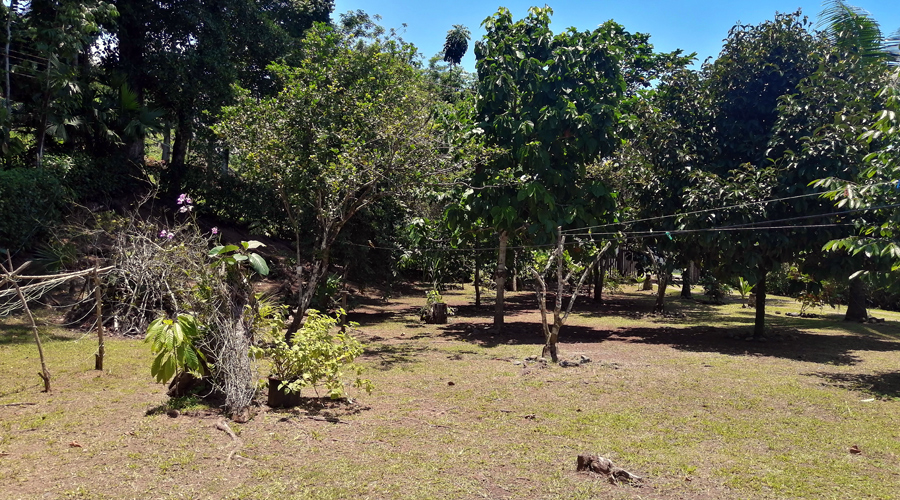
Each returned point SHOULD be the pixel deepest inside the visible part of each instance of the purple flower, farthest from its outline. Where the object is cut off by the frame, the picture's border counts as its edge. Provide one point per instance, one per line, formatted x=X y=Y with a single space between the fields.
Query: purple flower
x=214 y=230
x=163 y=233
x=184 y=199
x=186 y=208
x=170 y=235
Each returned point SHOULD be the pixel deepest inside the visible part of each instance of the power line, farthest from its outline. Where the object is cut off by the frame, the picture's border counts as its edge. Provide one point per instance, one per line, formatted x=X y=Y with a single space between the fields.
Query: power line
x=706 y=210
x=625 y=235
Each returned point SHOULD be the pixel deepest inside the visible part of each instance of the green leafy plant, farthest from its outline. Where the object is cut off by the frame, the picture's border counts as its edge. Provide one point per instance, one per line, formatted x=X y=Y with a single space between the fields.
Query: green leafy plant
x=613 y=281
x=817 y=294
x=744 y=288
x=433 y=297
x=327 y=293
x=713 y=288
x=173 y=343
x=314 y=356
x=640 y=280
x=233 y=255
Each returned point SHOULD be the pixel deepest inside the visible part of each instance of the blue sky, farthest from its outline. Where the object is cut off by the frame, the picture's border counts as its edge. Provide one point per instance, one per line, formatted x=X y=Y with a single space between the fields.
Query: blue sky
x=693 y=25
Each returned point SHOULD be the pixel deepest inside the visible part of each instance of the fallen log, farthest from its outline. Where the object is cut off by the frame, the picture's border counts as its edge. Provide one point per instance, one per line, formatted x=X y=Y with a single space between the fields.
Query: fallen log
x=604 y=466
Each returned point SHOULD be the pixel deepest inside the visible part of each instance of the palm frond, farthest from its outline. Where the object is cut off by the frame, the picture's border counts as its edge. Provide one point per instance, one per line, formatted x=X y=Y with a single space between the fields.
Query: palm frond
x=851 y=28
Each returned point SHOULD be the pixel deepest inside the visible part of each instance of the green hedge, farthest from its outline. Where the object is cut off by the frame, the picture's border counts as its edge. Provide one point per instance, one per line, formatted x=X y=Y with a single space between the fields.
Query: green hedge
x=31 y=200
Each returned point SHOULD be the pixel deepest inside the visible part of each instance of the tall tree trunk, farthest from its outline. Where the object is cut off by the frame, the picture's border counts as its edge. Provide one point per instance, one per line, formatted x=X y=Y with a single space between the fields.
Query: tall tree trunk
x=856 y=303
x=515 y=273
x=759 y=326
x=13 y=5
x=42 y=125
x=167 y=144
x=131 y=40
x=599 y=278
x=686 y=282
x=501 y=281
x=662 y=283
x=177 y=168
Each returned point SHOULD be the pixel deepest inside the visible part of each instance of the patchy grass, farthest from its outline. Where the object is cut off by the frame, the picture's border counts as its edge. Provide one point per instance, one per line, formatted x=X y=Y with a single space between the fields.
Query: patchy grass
x=458 y=412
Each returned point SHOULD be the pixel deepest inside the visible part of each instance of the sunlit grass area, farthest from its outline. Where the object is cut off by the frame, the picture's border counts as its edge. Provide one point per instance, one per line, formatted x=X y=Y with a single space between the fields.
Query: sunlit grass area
x=683 y=400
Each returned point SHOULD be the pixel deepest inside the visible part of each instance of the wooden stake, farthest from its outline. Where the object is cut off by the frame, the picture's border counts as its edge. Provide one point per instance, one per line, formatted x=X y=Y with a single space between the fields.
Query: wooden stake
x=44 y=374
x=101 y=349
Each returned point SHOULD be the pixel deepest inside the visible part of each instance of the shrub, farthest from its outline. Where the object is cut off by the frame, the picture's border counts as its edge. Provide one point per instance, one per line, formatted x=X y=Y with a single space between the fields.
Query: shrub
x=31 y=201
x=94 y=178
x=315 y=355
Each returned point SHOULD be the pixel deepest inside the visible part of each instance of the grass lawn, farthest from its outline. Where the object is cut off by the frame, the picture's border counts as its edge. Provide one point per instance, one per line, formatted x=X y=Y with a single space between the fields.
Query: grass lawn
x=683 y=400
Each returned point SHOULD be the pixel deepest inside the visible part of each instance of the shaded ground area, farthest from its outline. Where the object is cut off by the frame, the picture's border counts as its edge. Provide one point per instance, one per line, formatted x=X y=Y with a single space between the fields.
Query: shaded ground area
x=882 y=385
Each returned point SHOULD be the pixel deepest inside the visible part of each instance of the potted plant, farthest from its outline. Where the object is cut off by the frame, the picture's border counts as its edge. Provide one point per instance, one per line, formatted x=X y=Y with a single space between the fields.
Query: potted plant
x=318 y=354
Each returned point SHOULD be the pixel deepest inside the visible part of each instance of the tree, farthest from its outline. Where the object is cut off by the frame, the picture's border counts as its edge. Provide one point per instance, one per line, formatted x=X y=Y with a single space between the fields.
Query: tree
x=548 y=103
x=874 y=189
x=457 y=44
x=185 y=56
x=352 y=124
x=660 y=156
x=761 y=101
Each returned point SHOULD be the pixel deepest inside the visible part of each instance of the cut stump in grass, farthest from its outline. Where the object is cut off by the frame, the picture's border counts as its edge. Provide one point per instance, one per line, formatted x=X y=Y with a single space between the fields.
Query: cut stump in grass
x=436 y=314
x=604 y=466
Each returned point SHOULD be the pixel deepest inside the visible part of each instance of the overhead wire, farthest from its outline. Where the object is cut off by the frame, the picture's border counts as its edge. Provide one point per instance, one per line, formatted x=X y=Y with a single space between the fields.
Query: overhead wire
x=748 y=226
x=715 y=209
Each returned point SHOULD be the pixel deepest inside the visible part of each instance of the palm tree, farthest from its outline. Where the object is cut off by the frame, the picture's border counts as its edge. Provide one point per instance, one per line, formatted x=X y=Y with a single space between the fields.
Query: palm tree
x=853 y=30
x=457 y=44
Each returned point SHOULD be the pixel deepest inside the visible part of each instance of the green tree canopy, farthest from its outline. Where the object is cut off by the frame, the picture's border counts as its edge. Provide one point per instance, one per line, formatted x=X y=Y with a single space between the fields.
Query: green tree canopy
x=352 y=124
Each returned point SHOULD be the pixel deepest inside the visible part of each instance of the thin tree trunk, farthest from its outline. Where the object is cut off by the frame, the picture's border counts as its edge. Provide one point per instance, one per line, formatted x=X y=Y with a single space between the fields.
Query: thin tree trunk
x=515 y=273
x=177 y=167
x=551 y=333
x=13 y=5
x=501 y=281
x=477 y=281
x=856 y=303
x=599 y=278
x=759 y=327
x=167 y=144
x=686 y=283
x=662 y=283
x=45 y=110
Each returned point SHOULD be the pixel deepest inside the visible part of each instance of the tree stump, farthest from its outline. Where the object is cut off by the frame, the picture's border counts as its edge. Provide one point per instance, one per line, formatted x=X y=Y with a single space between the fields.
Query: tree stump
x=436 y=314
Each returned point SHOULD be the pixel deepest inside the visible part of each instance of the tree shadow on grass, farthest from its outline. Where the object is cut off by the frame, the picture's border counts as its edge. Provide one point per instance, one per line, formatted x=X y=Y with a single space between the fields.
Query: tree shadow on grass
x=678 y=309
x=784 y=343
x=17 y=334
x=388 y=356
x=514 y=304
x=517 y=333
x=883 y=385
x=330 y=410
x=787 y=343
